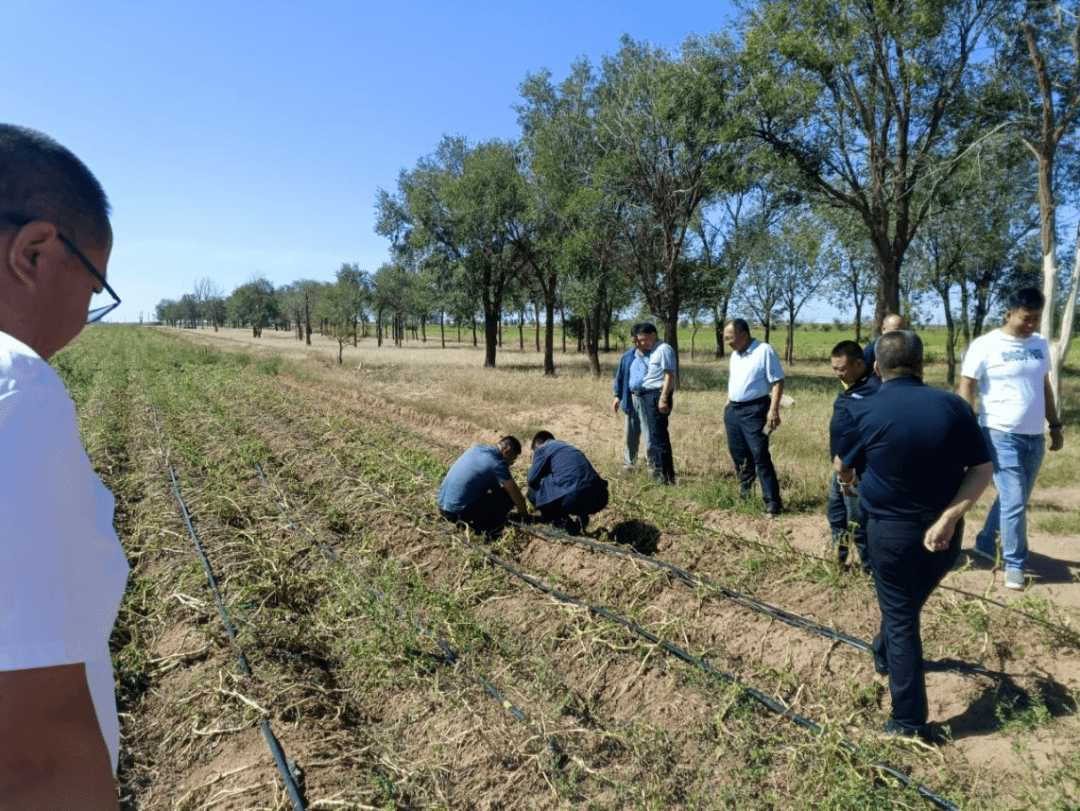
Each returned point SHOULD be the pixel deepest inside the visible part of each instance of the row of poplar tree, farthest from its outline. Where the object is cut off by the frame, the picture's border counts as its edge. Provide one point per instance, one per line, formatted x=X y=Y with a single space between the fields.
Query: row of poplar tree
x=904 y=154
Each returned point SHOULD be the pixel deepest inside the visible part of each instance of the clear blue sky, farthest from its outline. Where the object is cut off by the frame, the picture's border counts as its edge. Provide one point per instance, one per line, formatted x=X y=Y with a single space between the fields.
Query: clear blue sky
x=238 y=139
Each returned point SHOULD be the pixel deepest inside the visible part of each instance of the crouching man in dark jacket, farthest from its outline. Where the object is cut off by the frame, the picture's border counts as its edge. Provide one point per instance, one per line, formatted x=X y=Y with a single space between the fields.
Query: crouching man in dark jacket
x=563 y=486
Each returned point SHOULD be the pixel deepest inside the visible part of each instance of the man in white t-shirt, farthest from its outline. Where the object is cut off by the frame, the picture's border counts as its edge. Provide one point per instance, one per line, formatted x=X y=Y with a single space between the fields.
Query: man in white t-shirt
x=1009 y=368
x=63 y=571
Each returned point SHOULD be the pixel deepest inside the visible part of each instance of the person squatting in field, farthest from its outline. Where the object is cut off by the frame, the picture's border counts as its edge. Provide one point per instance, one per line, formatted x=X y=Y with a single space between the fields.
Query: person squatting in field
x=923 y=463
x=63 y=570
x=478 y=489
x=563 y=485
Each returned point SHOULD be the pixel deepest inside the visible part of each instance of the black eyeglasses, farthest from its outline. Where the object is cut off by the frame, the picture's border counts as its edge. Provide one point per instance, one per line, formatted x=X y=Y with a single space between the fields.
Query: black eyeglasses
x=96 y=313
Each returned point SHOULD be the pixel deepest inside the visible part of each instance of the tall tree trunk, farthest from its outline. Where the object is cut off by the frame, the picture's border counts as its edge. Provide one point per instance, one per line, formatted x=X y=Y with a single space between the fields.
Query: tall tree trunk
x=549 y=336
x=491 y=337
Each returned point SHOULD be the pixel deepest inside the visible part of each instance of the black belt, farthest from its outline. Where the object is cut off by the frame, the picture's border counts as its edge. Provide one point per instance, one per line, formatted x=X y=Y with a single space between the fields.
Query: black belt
x=755 y=402
x=643 y=392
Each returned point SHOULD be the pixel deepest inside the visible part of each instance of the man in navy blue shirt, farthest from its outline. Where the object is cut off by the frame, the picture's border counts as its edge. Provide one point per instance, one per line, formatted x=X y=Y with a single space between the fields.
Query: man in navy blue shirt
x=846 y=519
x=563 y=485
x=478 y=489
x=924 y=463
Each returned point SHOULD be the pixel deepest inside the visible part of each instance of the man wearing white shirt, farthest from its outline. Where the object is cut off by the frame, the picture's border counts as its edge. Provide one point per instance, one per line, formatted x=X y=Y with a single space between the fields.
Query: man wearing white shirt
x=652 y=387
x=755 y=385
x=1009 y=368
x=63 y=570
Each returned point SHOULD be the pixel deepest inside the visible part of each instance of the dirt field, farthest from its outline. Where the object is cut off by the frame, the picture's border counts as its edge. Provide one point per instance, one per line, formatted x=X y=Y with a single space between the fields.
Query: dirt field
x=376 y=639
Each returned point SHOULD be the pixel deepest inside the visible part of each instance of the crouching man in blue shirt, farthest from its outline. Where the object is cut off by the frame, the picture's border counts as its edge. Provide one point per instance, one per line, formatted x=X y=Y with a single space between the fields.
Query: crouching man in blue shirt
x=478 y=489
x=563 y=485
x=923 y=463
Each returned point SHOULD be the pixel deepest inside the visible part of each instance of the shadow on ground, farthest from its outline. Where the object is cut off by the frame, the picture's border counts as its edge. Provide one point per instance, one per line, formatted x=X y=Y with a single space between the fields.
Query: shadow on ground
x=643 y=537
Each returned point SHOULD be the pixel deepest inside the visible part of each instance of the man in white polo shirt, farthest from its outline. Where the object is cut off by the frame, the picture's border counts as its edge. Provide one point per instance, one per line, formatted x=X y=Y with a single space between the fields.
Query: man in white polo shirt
x=1010 y=369
x=755 y=385
x=63 y=570
x=652 y=386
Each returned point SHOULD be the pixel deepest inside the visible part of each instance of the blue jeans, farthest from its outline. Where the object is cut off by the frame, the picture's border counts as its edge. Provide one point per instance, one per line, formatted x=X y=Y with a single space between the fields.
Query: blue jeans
x=1016 y=459
x=636 y=431
x=847 y=519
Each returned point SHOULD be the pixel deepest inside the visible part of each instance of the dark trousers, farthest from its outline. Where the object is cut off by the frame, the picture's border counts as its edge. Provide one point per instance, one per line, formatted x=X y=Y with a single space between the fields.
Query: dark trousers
x=486 y=514
x=660 y=458
x=847 y=520
x=905 y=575
x=581 y=503
x=749 y=448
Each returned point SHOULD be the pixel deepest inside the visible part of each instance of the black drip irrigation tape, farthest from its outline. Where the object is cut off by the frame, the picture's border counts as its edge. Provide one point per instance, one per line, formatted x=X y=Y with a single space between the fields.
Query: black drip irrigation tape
x=679 y=653
x=1063 y=631
x=972 y=672
x=792 y=619
x=451 y=655
x=284 y=765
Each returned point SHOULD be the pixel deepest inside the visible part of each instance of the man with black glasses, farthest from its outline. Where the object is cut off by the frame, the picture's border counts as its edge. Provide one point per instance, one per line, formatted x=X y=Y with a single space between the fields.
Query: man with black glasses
x=63 y=570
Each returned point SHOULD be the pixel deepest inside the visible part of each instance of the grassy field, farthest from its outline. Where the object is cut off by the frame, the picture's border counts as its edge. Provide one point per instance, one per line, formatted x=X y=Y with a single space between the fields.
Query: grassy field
x=387 y=651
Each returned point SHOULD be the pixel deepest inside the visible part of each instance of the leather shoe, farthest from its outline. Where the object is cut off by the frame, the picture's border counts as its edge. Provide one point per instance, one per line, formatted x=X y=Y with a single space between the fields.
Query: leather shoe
x=924 y=733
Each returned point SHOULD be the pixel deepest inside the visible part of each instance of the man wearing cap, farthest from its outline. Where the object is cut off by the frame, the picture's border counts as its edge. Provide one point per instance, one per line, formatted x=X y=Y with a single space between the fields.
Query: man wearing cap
x=63 y=570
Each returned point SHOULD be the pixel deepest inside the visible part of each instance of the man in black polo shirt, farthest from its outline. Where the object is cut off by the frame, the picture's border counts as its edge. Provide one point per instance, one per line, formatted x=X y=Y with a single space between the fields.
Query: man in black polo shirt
x=924 y=463
x=846 y=519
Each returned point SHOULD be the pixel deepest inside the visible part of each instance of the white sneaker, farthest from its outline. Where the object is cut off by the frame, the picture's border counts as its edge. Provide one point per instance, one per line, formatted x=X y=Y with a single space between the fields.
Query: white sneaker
x=1014 y=579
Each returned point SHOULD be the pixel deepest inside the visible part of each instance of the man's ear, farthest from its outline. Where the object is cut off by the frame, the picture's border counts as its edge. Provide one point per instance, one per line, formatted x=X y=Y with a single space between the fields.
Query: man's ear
x=33 y=242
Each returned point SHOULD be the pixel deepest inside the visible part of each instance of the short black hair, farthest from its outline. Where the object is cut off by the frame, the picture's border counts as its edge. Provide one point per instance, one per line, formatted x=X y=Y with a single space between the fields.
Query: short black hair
x=644 y=327
x=1030 y=298
x=740 y=325
x=513 y=442
x=41 y=179
x=899 y=352
x=849 y=349
x=541 y=437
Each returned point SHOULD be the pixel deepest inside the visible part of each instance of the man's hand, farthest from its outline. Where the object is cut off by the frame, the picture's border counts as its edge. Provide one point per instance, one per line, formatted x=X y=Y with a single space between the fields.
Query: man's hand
x=52 y=753
x=665 y=405
x=939 y=534
x=1057 y=439
x=772 y=421
x=850 y=487
x=618 y=404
